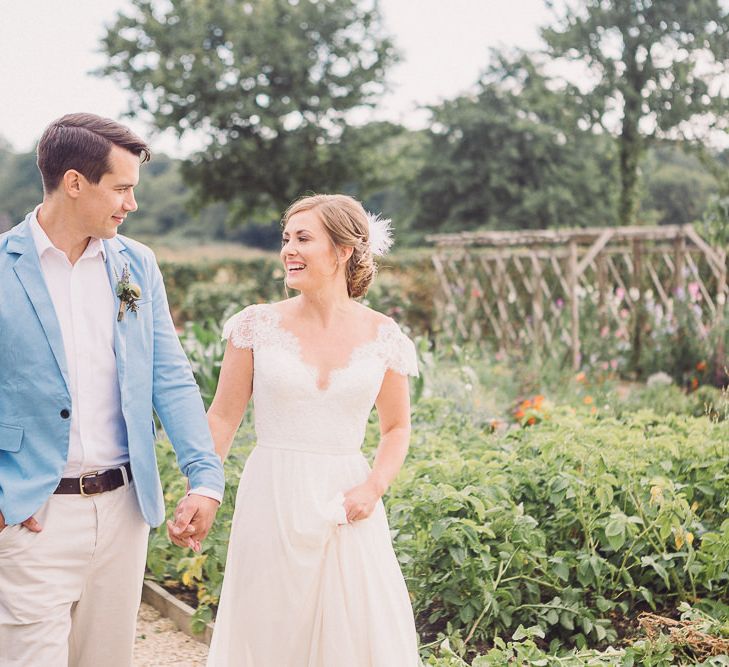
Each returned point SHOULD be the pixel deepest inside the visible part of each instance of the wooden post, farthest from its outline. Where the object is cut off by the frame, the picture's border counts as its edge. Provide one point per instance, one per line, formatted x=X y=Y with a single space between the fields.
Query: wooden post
x=501 y=306
x=679 y=280
x=601 y=291
x=537 y=308
x=720 y=321
x=574 y=302
x=636 y=283
x=721 y=288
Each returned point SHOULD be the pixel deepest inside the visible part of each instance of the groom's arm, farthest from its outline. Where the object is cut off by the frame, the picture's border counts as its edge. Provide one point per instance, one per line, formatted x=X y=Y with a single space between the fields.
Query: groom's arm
x=177 y=401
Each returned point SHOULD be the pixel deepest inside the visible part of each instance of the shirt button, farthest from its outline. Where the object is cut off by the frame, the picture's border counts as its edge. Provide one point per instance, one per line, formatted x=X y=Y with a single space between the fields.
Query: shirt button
x=65 y=413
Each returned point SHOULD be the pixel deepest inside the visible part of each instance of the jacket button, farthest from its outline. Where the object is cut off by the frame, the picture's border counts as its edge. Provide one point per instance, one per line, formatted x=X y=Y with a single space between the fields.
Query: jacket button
x=65 y=413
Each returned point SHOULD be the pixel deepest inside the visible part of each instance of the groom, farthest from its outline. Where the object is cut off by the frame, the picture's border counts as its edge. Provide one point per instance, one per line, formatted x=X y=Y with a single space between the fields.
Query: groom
x=87 y=351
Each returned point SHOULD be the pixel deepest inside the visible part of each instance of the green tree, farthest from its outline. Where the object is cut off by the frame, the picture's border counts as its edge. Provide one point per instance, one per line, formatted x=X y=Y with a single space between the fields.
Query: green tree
x=656 y=66
x=269 y=84
x=387 y=157
x=676 y=188
x=513 y=156
x=20 y=186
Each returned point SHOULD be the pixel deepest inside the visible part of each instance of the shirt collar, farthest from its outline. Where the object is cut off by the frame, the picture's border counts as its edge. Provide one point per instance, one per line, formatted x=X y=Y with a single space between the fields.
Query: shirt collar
x=43 y=244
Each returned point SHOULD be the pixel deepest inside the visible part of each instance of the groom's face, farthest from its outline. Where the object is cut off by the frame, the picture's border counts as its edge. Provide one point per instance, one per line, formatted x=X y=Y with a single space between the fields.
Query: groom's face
x=103 y=206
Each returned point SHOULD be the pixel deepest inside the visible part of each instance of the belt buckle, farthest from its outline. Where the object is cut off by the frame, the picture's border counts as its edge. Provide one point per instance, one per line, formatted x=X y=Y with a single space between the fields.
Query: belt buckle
x=81 y=479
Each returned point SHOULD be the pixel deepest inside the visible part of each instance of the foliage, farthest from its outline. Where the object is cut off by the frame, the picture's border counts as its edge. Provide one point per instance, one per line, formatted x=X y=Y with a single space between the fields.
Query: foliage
x=513 y=156
x=204 y=291
x=653 y=67
x=669 y=336
x=390 y=158
x=20 y=187
x=204 y=348
x=560 y=526
x=679 y=344
x=677 y=189
x=715 y=223
x=269 y=82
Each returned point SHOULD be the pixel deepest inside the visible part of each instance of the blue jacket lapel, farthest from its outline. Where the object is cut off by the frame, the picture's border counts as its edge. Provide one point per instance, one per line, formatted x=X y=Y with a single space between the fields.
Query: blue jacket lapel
x=30 y=275
x=116 y=260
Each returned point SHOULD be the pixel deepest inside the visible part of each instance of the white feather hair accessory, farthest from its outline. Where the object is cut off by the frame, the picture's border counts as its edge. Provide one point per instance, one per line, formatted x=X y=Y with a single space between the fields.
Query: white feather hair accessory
x=380 y=234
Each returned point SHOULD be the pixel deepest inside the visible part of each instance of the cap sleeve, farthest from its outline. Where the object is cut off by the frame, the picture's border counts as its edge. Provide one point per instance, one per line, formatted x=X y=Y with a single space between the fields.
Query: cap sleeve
x=240 y=328
x=400 y=355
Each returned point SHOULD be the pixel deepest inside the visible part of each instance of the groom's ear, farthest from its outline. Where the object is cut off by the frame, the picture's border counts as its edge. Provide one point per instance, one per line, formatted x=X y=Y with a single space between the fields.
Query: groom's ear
x=72 y=183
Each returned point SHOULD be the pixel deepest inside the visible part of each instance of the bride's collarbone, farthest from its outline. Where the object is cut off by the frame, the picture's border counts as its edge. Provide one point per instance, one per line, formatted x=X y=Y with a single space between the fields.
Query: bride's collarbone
x=327 y=352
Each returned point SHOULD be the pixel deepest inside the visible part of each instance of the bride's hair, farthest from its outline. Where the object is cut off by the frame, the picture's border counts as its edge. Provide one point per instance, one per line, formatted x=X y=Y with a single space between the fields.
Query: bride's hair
x=347 y=225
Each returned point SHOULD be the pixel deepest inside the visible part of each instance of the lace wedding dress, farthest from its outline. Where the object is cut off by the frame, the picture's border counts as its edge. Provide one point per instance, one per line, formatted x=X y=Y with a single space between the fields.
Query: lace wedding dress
x=302 y=587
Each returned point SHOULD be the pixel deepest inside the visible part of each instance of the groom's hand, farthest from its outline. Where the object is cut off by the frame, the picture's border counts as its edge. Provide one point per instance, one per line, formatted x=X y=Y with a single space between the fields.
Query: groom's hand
x=193 y=518
x=30 y=523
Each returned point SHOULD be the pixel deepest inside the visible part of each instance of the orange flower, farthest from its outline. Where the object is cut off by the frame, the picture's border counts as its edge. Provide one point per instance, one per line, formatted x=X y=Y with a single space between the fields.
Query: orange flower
x=519 y=414
x=580 y=377
x=588 y=400
x=593 y=410
x=526 y=404
x=531 y=421
x=538 y=400
x=701 y=366
x=694 y=383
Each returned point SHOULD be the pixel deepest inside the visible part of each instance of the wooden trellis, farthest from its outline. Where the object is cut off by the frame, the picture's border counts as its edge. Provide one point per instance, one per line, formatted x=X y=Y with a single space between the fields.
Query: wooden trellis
x=530 y=288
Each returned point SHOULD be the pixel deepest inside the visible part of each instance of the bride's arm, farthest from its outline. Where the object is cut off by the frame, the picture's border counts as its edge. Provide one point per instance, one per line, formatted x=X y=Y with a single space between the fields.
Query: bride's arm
x=235 y=387
x=393 y=409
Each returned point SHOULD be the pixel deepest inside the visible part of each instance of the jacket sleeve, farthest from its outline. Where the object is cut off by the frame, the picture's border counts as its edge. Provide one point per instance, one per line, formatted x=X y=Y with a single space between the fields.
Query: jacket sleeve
x=176 y=398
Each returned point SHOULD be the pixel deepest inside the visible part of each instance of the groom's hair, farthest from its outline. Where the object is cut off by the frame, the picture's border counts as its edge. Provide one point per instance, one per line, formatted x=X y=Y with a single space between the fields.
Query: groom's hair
x=83 y=141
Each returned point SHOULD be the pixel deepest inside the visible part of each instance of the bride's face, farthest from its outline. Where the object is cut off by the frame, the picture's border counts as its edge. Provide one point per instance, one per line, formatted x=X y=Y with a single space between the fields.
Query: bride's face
x=308 y=254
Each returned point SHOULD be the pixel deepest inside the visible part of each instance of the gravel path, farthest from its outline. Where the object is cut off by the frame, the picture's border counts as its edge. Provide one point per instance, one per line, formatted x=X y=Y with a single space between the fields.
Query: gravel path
x=159 y=642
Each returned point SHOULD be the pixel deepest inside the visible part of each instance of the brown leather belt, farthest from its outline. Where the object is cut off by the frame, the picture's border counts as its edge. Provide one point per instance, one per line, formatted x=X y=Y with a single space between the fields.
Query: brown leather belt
x=93 y=483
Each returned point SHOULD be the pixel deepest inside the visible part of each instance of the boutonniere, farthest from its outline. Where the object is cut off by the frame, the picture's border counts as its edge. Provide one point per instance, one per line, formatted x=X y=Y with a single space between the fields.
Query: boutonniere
x=128 y=293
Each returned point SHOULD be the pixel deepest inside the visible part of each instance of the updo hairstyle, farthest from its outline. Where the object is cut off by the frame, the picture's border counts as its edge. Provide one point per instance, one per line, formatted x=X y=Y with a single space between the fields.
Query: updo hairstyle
x=347 y=225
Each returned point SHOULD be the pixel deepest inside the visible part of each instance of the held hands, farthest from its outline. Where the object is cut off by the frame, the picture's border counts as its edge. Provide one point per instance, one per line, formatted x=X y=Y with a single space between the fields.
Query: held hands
x=193 y=518
x=360 y=501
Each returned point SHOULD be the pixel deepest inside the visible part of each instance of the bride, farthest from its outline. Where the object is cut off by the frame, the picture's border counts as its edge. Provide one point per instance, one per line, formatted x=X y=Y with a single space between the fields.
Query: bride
x=311 y=577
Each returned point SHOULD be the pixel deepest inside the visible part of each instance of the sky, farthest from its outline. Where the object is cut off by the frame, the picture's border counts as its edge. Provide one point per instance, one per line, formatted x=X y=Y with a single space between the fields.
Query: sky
x=48 y=49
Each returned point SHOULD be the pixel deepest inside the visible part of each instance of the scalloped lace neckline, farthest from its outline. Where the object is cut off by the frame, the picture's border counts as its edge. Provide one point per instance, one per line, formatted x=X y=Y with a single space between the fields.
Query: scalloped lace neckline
x=293 y=343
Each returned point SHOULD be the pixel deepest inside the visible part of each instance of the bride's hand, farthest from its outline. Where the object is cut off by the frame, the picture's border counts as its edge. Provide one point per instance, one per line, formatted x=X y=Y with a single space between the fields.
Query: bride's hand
x=360 y=501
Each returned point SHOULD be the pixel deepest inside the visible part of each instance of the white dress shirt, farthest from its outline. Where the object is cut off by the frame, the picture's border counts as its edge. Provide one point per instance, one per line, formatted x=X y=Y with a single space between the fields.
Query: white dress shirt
x=80 y=292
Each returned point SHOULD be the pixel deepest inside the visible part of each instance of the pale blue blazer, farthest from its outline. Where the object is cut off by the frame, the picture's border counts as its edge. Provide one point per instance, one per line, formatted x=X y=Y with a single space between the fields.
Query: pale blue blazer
x=154 y=373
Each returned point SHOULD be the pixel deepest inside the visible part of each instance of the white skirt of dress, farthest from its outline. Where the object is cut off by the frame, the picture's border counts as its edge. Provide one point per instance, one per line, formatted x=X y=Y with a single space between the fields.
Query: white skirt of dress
x=302 y=587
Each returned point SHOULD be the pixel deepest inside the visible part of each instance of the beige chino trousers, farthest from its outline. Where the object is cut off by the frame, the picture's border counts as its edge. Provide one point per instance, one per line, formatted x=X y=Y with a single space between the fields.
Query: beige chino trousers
x=69 y=595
